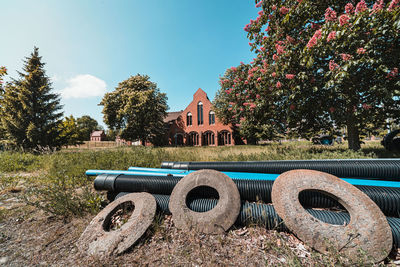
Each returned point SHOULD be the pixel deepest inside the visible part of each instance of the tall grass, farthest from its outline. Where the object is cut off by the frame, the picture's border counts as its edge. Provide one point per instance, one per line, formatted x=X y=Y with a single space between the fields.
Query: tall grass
x=77 y=162
x=59 y=186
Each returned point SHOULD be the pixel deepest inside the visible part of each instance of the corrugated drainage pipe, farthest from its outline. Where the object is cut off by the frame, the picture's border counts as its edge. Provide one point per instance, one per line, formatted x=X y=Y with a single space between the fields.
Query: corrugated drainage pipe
x=384 y=169
x=265 y=215
x=387 y=198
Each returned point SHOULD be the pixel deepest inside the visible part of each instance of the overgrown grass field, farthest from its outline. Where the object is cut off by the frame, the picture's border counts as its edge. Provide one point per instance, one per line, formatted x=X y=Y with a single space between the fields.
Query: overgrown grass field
x=57 y=183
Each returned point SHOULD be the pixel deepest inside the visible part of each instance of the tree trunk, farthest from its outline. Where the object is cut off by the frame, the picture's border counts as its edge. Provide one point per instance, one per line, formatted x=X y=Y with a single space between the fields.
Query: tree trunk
x=353 y=135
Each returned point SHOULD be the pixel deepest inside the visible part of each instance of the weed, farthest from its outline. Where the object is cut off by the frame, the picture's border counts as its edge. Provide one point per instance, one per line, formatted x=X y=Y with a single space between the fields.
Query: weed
x=63 y=196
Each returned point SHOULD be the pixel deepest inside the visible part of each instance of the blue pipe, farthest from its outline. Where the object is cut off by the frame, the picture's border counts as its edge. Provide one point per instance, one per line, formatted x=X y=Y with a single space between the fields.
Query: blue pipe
x=157 y=170
x=237 y=175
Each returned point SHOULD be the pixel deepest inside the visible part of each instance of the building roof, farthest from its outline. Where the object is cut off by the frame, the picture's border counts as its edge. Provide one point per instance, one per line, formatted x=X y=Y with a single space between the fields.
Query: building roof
x=171 y=116
x=97 y=133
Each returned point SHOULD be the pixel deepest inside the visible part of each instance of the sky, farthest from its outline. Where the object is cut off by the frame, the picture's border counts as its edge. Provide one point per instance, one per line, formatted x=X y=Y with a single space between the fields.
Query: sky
x=89 y=46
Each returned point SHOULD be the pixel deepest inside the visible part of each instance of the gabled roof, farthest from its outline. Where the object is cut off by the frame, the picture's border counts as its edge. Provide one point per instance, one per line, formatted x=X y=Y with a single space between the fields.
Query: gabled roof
x=97 y=133
x=171 y=116
x=200 y=92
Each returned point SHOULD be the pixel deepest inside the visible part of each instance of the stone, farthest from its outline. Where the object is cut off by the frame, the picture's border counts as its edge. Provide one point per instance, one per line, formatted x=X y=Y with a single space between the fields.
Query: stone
x=217 y=220
x=368 y=230
x=99 y=241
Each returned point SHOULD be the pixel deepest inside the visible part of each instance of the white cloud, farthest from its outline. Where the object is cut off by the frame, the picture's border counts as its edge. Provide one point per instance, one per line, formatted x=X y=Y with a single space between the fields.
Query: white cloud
x=84 y=86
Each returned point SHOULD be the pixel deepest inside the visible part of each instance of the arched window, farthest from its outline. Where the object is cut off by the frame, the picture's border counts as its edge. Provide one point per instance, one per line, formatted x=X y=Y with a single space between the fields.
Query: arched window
x=224 y=138
x=211 y=117
x=200 y=113
x=179 y=139
x=193 y=139
x=208 y=138
x=189 y=119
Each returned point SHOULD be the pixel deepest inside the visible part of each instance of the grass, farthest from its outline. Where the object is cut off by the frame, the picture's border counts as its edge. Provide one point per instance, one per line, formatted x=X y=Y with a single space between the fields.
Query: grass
x=75 y=163
x=56 y=183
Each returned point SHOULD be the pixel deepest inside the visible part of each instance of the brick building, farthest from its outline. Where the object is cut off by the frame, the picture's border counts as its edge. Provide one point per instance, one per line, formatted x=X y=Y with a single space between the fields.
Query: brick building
x=97 y=136
x=197 y=125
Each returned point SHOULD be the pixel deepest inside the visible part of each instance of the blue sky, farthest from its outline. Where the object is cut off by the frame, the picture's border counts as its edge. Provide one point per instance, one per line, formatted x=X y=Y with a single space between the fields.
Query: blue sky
x=89 y=46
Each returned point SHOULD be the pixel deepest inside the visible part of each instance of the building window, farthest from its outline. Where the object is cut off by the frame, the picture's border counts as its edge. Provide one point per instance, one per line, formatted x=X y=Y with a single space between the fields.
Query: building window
x=224 y=138
x=193 y=139
x=200 y=113
x=179 y=139
x=208 y=138
x=211 y=117
x=189 y=119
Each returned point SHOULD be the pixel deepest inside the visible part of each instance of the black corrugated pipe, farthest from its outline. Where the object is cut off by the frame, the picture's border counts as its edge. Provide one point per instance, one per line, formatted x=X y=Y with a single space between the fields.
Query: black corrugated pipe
x=387 y=198
x=382 y=169
x=265 y=215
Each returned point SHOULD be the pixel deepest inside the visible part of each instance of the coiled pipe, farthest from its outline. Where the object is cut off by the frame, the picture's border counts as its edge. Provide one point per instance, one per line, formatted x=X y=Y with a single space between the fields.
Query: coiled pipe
x=387 y=198
x=265 y=215
x=385 y=169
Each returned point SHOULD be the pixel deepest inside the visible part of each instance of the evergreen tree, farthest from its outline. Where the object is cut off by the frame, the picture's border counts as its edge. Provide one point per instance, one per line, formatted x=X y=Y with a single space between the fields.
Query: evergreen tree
x=30 y=112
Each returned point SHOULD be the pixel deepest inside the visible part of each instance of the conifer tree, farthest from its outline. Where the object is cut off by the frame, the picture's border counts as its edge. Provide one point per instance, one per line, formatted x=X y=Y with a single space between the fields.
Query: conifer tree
x=29 y=111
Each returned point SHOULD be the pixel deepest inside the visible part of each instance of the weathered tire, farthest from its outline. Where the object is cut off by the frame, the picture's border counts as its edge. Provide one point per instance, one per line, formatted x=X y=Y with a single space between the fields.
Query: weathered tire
x=97 y=241
x=368 y=230
x=217 y=220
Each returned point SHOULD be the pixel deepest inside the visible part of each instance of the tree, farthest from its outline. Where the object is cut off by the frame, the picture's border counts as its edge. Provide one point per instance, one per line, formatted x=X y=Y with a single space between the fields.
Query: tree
x=70 y=132
x=136 y=108
x=298 y=64
x=30 y=112
x=86 y=126
x=3 y=72
x=361 y=54
x=239 y=102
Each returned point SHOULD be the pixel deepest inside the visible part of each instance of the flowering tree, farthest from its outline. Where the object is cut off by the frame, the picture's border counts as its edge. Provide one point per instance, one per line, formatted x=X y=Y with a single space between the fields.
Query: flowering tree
x=239 y=103
x=329 y=64
x=361 y=49
x=3 y=71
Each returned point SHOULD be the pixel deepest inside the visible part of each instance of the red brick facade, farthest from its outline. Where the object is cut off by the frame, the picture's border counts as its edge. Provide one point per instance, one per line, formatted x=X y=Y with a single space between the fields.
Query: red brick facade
x=197 y=125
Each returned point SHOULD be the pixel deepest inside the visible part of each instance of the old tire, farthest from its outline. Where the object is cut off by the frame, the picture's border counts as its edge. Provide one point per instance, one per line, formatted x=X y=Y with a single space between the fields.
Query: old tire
x=96 y=240
x=216 y=220
x=368 y=230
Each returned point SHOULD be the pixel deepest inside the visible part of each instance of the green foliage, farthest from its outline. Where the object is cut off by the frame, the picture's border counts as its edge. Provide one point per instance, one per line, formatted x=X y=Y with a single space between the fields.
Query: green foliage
x=294 y=72
x=57 y=182
x=15 y=161
x=86 y=126
x=29 y=112
x=360 y=79
x=70 y=133
x=3 y=72
x=63 y=196
x=136 y=109
x=239 y=102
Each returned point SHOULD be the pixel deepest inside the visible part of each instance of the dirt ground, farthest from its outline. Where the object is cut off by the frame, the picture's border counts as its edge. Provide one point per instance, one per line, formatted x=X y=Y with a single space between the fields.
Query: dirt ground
x=29 y=237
